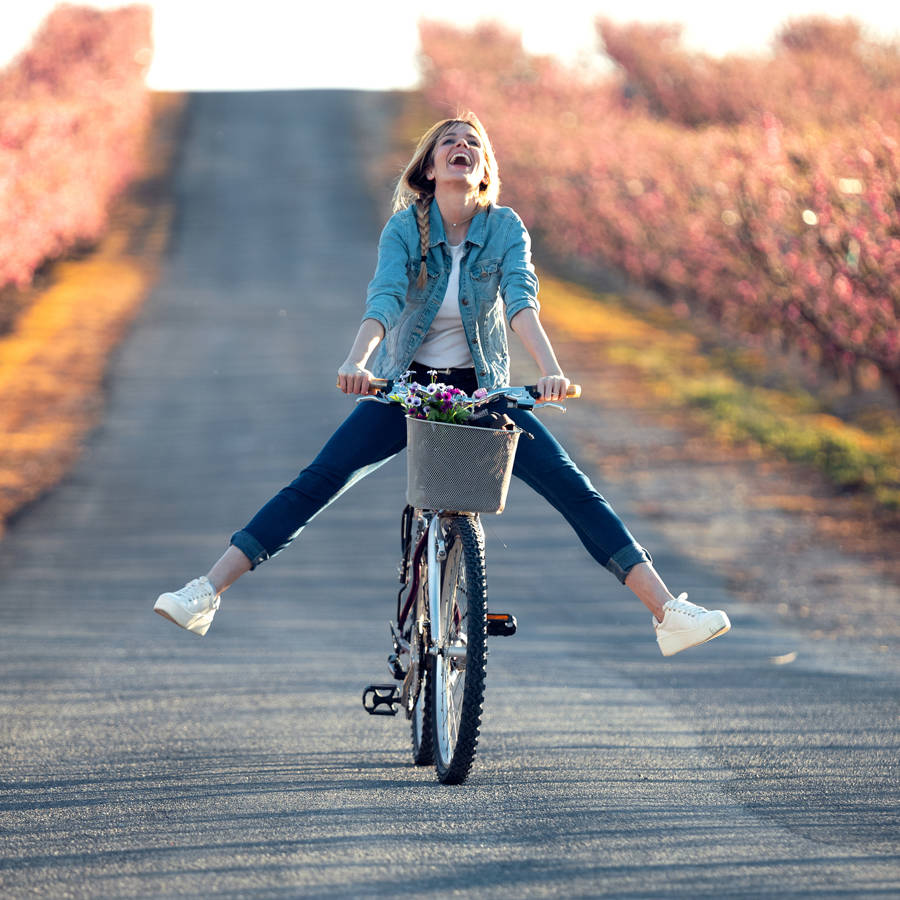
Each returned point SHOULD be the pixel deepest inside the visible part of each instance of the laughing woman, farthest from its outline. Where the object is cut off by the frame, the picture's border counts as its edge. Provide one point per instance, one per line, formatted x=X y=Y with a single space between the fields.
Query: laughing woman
x=452 y=265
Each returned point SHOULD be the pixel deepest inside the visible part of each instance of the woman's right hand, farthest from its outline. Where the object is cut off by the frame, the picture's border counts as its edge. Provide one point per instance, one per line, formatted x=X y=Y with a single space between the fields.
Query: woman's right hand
x=354 y=379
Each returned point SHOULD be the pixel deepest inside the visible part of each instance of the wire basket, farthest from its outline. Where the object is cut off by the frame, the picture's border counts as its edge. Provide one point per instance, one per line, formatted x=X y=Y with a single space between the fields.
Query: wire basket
x=461 y=468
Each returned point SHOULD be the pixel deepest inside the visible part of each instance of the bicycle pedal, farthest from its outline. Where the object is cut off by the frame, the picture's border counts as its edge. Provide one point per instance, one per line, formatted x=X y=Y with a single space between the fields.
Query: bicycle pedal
x=501 y=624
x=381 y=699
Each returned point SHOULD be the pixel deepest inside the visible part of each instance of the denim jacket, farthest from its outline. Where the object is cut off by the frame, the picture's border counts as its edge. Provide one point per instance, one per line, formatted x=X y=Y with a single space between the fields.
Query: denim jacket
x=496 y=277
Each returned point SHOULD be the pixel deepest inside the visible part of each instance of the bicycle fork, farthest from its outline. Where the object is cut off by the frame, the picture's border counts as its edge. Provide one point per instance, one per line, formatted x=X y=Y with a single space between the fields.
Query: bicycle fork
x=437 y=553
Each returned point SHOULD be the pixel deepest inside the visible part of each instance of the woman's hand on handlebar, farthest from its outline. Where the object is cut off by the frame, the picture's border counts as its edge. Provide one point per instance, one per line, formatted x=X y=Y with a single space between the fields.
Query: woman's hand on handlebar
x=353 y=379
x=553 y=387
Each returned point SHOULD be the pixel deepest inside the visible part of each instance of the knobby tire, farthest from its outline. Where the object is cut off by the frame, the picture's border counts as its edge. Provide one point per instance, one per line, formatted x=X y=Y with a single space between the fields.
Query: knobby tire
x=421 y=724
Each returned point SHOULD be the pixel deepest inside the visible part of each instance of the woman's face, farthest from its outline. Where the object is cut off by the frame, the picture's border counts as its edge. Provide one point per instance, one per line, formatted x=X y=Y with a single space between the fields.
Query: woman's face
x=458 y=157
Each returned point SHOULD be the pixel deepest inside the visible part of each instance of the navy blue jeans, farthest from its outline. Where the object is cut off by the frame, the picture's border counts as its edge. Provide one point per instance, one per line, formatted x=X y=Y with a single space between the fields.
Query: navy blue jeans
x=374 y=432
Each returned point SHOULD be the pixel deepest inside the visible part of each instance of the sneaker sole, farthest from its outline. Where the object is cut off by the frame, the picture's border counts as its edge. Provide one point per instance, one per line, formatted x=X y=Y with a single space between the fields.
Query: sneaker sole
x=676 y=643
x=198 y=625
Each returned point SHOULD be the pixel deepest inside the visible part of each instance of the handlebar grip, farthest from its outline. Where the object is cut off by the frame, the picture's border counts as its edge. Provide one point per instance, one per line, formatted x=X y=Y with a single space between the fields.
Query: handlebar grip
x=375 y=385
x=574 y=391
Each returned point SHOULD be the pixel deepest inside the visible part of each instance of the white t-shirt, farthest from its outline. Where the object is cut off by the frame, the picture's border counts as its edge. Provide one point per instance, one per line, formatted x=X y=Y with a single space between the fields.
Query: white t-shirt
x=445 y=346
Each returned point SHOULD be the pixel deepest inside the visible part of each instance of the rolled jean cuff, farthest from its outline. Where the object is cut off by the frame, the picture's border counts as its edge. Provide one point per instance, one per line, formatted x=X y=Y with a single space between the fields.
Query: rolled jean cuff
x=250 y=547
x=624 y=560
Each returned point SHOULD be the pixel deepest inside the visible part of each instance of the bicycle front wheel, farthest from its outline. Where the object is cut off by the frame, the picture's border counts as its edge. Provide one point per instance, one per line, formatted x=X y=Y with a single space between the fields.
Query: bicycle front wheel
x=457 y=674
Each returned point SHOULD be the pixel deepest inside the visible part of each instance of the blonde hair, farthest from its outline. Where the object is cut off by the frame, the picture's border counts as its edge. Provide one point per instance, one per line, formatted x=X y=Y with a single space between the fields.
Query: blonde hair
x=415 y=188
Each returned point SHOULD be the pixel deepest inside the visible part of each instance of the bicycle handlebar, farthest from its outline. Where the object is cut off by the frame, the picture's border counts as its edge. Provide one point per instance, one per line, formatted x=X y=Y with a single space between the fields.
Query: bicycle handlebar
x=525 y=395
x=573 y=391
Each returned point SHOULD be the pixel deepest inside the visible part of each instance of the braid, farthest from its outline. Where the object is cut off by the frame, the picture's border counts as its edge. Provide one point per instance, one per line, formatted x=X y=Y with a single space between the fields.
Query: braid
x=423 y=220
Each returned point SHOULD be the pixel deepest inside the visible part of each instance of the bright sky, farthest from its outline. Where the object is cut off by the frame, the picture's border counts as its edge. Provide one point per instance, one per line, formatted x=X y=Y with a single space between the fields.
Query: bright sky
x=206 y=45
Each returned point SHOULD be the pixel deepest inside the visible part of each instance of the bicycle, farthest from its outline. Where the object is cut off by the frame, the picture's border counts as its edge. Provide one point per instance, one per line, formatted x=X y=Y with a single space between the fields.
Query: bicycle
x=442 y=622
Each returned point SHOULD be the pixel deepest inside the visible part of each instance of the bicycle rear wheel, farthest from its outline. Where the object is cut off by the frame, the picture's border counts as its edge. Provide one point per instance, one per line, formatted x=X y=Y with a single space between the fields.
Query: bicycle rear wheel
x=457 y=673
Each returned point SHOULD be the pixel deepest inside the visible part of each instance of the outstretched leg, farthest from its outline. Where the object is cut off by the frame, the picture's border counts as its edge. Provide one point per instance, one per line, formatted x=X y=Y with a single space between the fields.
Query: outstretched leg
x=370 y=436
x=543 y=464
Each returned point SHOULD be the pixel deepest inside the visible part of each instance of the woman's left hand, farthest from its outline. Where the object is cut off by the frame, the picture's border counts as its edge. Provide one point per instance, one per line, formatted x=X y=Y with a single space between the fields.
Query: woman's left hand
x=553 y=387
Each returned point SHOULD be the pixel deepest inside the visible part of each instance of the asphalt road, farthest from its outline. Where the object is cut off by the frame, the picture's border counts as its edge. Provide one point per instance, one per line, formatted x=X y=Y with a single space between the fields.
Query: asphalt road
x=141 y=761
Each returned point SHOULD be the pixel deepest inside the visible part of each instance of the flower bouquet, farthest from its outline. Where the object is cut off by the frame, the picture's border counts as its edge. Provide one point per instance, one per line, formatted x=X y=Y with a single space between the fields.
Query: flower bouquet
x=435 y=402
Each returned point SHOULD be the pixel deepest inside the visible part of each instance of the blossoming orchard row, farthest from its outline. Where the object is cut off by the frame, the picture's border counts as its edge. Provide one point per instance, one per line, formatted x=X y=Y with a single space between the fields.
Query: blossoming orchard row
x=765 y=191
x=73 y=108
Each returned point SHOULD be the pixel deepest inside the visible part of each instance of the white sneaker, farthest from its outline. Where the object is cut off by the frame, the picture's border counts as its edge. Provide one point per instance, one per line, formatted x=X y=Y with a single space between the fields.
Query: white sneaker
x=193 y=607
x=685 y=625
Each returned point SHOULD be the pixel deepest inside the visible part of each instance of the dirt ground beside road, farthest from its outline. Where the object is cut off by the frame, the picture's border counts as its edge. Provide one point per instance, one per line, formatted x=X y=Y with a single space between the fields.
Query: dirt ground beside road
x=57 y=336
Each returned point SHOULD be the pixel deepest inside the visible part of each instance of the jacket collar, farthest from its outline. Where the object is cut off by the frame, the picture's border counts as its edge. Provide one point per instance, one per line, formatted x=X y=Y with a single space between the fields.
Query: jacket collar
x=475 y=234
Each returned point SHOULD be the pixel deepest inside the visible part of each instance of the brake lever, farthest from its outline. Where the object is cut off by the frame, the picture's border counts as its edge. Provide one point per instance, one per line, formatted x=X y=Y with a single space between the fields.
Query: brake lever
x=540 y=405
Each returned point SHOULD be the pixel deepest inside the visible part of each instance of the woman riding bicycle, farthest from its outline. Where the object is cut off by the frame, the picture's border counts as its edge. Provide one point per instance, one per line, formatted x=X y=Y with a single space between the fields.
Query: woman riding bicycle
x=452 y=264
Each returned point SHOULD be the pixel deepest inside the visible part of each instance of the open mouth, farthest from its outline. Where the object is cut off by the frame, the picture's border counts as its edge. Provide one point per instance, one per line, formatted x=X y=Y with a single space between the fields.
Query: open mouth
x=459 y=158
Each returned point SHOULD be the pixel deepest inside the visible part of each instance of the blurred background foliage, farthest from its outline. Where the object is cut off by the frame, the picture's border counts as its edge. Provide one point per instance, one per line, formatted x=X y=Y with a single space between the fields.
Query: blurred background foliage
x=757 y=199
